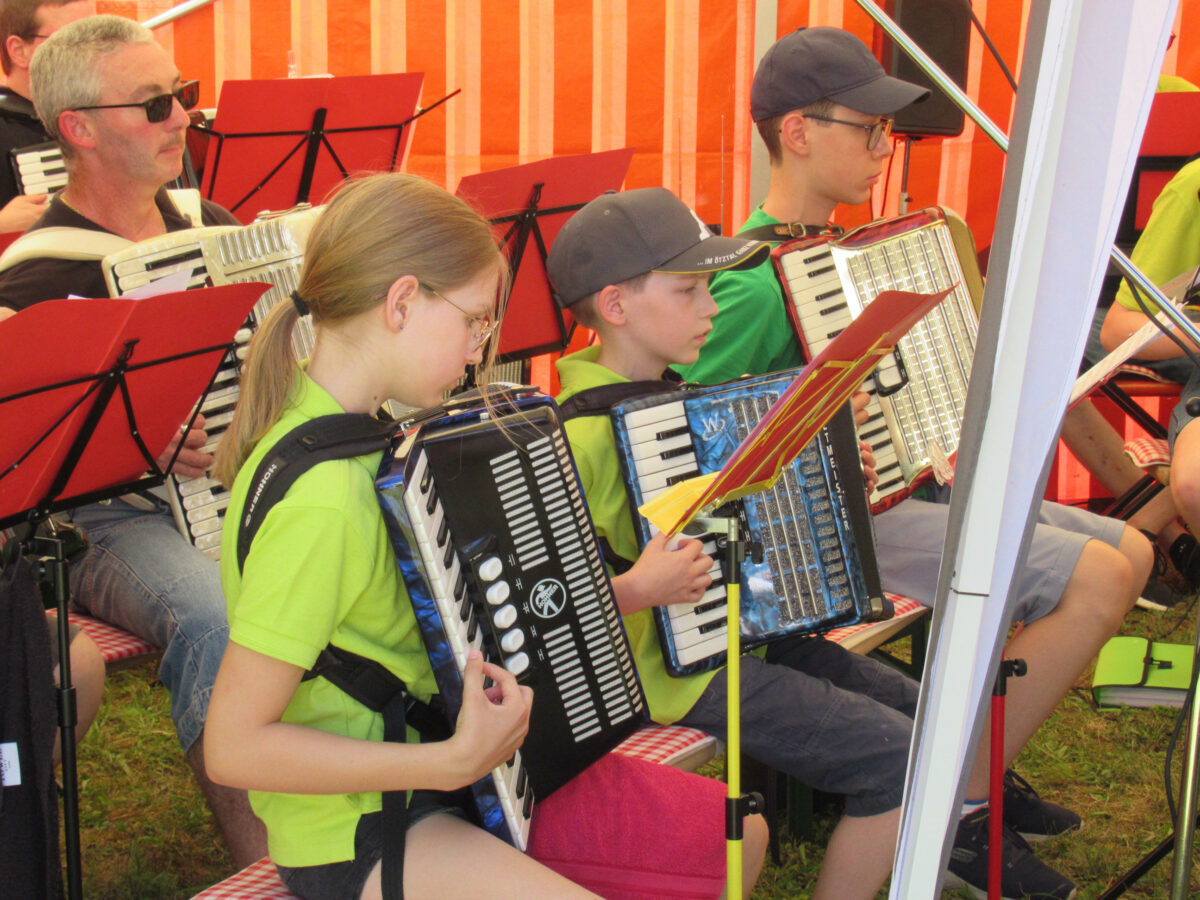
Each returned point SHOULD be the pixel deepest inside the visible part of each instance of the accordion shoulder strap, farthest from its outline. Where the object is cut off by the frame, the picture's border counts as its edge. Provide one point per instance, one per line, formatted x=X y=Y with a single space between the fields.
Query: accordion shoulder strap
x=597 y=401
x=339 y=436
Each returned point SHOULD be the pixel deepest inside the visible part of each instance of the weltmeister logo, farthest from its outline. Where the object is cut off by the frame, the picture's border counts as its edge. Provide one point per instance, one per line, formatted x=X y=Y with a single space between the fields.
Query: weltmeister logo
x=548 y=598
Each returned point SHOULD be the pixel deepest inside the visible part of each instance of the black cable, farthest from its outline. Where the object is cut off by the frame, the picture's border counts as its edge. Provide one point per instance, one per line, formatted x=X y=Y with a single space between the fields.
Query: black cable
x=1142 y=303
x=992 y=47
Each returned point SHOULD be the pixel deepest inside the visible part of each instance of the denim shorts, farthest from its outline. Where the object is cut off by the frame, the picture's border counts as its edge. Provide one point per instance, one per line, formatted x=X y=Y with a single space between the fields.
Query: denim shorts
x=345 y=880
x=836 y=721
x=140 y=574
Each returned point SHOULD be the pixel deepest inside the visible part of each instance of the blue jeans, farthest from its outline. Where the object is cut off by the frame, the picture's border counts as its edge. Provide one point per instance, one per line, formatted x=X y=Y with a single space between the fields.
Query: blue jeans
x=141 y=575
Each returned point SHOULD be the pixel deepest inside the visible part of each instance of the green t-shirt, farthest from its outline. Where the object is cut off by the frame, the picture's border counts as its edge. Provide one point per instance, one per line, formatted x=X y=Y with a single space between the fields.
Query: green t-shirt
x=1170 y=243
x=321 y=570
x=594 y=448
x=751 y=333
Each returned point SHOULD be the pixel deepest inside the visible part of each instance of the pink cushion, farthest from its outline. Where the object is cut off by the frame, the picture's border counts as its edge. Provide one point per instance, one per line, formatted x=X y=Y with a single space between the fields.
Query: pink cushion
x=633 y=830
x=114 y=643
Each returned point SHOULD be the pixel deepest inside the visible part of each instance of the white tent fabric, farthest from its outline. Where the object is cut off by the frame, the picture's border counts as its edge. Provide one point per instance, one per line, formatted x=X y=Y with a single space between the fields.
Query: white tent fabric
x=1086 y=82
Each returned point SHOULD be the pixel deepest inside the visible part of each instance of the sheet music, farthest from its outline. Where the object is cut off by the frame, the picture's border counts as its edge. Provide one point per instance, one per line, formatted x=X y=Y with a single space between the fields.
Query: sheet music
x=1175 y=290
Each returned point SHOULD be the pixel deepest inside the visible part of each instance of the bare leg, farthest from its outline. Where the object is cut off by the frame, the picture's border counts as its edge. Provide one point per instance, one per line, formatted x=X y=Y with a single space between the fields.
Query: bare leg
x=1101 y=450
x=1185 y=475
x=858 y=858
x=244 y=833
x=446 y=857
x=755 y=836
x=1058 y=646
x=87 y=676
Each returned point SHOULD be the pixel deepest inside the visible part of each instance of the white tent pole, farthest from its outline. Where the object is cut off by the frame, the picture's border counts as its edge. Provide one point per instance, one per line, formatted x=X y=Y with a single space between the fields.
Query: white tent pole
x=1087 y=81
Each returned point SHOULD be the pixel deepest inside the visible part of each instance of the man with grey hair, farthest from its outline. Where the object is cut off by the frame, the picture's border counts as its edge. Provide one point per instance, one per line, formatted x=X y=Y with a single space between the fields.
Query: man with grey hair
x=115 y=103
x=24 y=24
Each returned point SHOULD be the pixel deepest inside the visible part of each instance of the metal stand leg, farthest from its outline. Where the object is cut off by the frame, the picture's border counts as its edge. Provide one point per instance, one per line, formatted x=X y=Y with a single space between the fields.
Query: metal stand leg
x=1009 y=668
x=53 y=566
x=1185 y=824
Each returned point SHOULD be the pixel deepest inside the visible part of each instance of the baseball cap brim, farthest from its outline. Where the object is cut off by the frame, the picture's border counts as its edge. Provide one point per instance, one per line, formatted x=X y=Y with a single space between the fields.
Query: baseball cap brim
x=881 y=96
x=716 y=254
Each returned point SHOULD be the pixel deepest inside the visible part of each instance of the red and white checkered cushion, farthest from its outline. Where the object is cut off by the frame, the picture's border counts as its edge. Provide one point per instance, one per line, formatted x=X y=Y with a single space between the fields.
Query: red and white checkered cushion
x=1147 y=452
x=259 y=881
x=1142 y=372
x=905 y=608
x=669 y=745
x=114 y=643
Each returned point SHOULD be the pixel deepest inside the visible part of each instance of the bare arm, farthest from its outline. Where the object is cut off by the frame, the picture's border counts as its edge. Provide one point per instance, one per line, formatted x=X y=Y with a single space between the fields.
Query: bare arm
x=1120 y=323
x=661 y=577
x=246 y=744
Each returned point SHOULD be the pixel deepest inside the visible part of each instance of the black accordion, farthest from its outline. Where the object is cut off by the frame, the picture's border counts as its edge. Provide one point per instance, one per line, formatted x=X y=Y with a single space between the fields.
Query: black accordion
x=498 y=552
x=818 y=565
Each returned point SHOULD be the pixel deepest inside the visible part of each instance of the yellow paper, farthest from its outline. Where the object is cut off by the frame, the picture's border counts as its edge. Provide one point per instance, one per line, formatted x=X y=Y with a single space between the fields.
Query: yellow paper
x=665 y=510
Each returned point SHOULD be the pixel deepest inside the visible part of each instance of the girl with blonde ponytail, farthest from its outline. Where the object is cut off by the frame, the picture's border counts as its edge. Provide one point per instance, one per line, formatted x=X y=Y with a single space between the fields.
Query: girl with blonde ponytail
x=402 y=281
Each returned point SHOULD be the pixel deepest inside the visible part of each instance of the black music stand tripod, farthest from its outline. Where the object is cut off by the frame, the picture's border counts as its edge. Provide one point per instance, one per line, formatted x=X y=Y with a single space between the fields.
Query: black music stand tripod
x=78 y=409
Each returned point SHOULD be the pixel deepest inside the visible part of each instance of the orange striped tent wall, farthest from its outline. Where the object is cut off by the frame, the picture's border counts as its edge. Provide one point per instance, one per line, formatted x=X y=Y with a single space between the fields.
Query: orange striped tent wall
x=542 y=77
x=560 y=76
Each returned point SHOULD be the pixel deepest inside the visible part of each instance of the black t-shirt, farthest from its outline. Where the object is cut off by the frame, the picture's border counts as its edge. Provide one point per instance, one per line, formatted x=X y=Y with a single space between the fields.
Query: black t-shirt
x=19 y=127
x=47 y=278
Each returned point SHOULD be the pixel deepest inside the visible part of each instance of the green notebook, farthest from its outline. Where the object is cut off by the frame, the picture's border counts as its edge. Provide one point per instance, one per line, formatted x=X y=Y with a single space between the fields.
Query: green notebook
x=1130 y=671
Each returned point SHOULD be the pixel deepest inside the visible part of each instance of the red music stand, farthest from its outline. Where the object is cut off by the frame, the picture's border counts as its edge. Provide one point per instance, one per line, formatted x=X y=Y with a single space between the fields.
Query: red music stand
x=66 y=440
x=280 y=142
x=534 y=200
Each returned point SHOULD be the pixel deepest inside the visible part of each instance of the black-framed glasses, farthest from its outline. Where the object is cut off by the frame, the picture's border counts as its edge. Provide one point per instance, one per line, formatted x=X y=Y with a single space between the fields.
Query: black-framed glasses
x=876 y=131
x=481 y=326
x=158 y=109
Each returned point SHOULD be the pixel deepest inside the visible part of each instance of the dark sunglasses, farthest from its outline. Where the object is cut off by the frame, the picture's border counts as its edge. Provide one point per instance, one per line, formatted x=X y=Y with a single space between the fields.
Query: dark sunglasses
x=158 y=109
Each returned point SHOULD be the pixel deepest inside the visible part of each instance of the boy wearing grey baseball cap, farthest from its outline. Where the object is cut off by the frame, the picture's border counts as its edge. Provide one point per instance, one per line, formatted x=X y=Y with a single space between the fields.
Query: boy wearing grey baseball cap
x=634 y=267
x=823 y=107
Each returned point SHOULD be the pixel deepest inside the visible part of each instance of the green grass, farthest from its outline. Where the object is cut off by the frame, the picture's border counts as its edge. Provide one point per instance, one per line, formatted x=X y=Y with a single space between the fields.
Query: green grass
x=147 y=834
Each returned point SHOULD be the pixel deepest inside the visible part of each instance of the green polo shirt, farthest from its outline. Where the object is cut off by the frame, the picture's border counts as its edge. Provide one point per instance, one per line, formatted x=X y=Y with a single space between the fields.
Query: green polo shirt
x=751 y=333
x=1170 y=243
x=321 y=570
x=594 y=448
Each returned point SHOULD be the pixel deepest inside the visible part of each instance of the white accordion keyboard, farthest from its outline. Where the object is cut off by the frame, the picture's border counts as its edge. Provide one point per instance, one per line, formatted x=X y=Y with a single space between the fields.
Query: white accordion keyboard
x=916 y=407
x=270 y=250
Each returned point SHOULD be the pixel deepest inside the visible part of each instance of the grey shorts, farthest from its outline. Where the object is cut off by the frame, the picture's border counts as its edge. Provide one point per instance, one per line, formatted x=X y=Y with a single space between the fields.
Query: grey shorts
x=908 y=546
x=836 y=721
x=345 y=880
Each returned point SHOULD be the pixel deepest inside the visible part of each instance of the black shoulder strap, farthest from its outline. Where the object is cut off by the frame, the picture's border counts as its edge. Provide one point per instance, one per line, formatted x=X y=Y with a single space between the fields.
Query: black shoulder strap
x=785 y=231
x=345 y=436
x=599 y=400
x=340 y=436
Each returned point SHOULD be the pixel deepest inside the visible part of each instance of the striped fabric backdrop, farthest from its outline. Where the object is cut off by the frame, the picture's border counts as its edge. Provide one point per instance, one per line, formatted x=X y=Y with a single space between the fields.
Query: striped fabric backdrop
x=541 y=77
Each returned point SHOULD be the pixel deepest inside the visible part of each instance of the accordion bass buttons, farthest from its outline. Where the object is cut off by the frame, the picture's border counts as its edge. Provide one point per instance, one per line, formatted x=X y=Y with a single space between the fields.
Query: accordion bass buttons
x=517 y=663
x=506 y=617
x=498 y=593
x=491 y=568
x=513 y=641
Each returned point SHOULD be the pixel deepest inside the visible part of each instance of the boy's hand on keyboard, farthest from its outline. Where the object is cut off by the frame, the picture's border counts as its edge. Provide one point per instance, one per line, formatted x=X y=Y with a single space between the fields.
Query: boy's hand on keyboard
x=193 y=461
x=858 y=402
x=868 y=465
x=492 y=722
x=662 y=576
